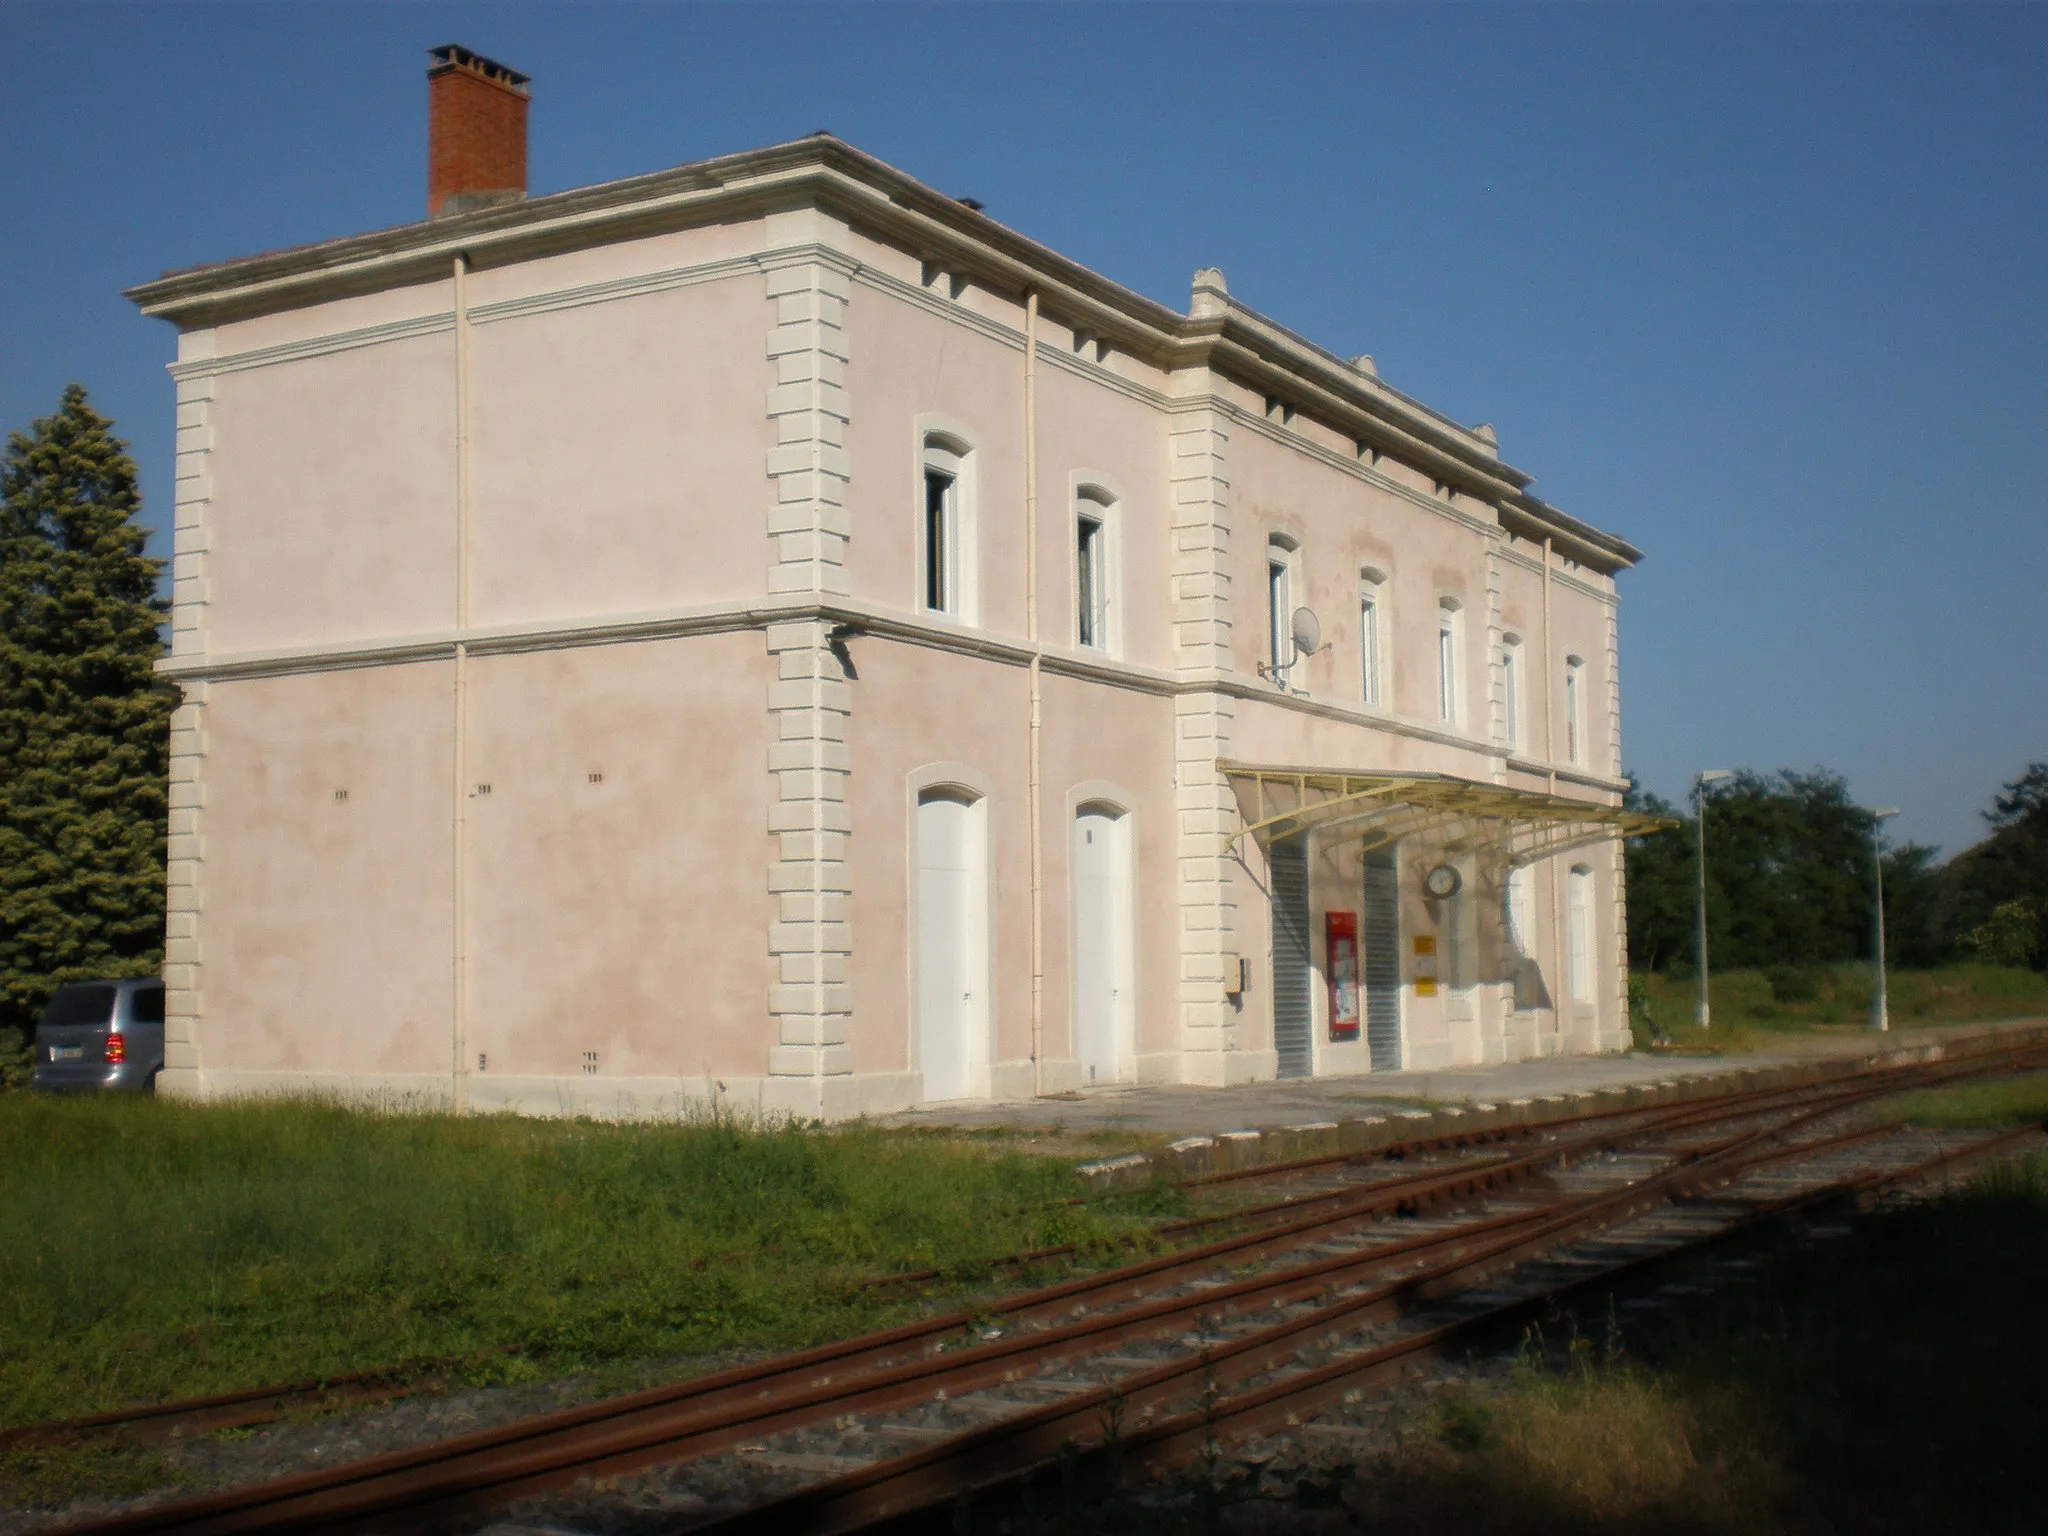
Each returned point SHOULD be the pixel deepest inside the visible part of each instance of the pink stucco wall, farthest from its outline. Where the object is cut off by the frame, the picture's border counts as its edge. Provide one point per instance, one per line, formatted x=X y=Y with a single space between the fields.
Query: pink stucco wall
x=621 y=873
x=328 y=928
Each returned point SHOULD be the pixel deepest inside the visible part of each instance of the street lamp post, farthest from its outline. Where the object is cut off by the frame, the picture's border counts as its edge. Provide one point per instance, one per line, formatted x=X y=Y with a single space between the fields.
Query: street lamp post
x=1880 y=1011
x=1703 y=1013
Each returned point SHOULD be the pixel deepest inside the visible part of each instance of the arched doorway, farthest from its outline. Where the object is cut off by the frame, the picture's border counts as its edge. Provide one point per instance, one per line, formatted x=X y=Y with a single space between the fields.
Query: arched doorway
x=951 y=938
x=1101 y=912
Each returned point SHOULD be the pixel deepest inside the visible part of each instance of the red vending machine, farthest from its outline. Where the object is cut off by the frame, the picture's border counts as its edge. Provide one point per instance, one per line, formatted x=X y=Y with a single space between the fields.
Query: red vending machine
x=1340 y=931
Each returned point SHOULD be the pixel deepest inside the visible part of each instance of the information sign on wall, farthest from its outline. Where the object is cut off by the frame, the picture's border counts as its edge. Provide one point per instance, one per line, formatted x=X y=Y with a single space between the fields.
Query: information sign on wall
x=1425 y=965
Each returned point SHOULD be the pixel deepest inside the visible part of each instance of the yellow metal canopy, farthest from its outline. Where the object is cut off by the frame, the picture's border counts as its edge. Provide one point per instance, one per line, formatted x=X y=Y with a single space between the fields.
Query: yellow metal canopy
x=1458 y=816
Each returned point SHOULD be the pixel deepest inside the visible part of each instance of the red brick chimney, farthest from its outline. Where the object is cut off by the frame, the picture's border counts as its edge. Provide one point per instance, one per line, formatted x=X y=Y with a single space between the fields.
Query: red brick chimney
x=476 y=132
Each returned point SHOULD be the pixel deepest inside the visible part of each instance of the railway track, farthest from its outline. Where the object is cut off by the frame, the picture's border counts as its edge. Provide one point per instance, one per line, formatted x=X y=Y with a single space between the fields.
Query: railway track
x=1318 y=1180
x=254 y=1405
x=891 y=1426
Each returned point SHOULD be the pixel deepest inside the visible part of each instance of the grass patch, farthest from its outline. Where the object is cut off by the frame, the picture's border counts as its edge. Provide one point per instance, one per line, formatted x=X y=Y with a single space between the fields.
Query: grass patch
x=1757 y=1010
x=1883 y=1382
x=45 y=1476
x=155 y=1249
x=2014 y=1101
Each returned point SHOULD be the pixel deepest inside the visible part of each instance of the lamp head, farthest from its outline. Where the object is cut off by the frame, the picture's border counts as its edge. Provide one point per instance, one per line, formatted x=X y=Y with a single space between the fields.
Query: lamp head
x=1883 y=812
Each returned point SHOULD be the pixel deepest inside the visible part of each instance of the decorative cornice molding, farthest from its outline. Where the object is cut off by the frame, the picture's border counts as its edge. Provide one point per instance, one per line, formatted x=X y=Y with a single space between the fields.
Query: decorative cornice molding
x=315 y=346
x=1358 y=471
x=663 y=281
x=547 y=302
x=866 y=620
x=824 y=171
x=1579 y=584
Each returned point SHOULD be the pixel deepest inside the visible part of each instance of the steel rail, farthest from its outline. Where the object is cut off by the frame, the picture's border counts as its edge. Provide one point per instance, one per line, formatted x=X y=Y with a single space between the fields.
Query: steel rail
x=913 y=1488
x=686 y=1418
x=1425 y=1186
x=258 y=1405
x=417 y=1488
x=1716 y=1106
x=253 y=1405
x=1661 y=1119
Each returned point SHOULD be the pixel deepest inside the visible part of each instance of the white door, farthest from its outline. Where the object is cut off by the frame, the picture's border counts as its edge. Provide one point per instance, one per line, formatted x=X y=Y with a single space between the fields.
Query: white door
x=949 y=945
x=1579 y=935
x=1099 y=944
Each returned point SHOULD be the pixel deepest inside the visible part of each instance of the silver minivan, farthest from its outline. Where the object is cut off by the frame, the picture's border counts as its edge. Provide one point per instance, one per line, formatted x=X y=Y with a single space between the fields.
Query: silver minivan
x=101 y=1036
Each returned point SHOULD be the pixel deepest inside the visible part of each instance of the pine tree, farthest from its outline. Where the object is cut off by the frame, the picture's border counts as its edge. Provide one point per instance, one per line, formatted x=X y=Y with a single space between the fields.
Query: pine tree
x=84 y=722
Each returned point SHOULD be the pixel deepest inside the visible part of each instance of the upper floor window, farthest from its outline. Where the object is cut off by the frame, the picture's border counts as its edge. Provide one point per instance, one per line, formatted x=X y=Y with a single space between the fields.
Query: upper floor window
x=1575 y=711
x=1511 y=692
x=946 y=563
x=1449 y=617
x=1371 y=635
x=1283 y=559
x=1096 y=577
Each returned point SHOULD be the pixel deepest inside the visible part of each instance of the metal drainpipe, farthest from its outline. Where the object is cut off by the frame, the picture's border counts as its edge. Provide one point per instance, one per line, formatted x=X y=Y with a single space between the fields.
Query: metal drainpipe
x=1560 y=1000
x=1036 y=815
x=459 y=980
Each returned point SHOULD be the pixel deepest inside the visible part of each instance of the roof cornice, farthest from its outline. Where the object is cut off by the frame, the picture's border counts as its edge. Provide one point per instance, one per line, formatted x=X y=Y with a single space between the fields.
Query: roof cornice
x=1222 y=333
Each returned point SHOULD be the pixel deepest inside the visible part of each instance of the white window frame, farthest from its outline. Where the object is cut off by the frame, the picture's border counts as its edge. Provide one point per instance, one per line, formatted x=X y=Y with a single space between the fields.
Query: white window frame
x=1450 y=657
x=1283 y=578
x=1372 y=637
x=1513 y=686
x=1575 y=711
x=947 y=447
x=1096 y=501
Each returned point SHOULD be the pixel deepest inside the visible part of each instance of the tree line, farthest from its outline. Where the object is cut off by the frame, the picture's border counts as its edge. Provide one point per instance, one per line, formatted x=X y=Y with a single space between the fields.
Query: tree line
x=1790 y=880
x=84 y=720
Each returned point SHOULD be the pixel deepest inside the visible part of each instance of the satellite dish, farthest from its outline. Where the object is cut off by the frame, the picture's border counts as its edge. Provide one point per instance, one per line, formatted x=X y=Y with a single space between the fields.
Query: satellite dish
x=1308 y=634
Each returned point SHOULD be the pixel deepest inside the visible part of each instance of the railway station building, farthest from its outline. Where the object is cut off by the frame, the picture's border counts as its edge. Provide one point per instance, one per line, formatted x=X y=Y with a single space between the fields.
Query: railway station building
x=766 y=634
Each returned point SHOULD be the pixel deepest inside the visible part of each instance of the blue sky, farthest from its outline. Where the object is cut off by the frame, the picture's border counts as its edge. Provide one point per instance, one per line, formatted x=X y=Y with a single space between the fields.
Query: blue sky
x=1760 y=288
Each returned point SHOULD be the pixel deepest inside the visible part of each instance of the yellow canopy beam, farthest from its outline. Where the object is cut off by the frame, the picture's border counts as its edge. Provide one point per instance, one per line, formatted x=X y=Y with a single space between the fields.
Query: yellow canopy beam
x=1520 y=825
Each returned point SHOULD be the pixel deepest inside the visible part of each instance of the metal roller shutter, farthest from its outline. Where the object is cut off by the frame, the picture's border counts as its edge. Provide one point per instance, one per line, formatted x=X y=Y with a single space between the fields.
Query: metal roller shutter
x=1287 y=863
x=1382 y=960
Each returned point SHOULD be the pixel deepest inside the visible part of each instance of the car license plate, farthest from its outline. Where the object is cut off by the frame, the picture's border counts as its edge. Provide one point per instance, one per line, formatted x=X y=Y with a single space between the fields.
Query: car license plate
x=66 y=1052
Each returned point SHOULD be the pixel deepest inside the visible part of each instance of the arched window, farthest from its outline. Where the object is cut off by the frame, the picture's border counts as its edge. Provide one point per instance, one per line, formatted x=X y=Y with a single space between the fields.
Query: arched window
x=1283 y=567
x=1098 y=616
x=1449 y=651
x=948 y=561
x=1512 y=728
x=1372 y=621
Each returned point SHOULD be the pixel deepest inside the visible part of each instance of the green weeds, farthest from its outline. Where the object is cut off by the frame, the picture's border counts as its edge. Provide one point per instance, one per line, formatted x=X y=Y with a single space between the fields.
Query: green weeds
x=1971 y=1105
x=1755 y=1010
x=153 y=1249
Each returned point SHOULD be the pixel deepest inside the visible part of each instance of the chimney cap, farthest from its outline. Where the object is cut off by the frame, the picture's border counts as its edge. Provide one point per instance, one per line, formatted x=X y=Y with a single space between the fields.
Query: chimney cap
x=454 y=56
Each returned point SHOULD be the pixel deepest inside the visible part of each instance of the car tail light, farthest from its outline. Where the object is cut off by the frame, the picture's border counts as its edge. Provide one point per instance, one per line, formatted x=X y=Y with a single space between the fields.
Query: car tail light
x=117 y=1050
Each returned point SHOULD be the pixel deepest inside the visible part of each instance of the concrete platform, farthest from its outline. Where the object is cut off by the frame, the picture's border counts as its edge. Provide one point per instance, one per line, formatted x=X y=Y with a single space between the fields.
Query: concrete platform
x=1170 y=1110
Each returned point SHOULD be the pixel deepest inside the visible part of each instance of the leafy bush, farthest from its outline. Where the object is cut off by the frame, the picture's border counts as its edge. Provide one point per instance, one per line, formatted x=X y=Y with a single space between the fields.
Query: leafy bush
x=2010 y=935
